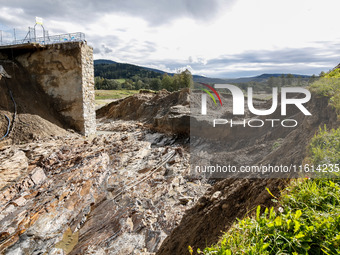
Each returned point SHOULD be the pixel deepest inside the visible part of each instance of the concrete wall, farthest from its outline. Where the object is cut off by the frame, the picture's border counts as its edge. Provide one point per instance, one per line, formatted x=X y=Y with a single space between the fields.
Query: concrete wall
x=89 y=110
x=65 y=73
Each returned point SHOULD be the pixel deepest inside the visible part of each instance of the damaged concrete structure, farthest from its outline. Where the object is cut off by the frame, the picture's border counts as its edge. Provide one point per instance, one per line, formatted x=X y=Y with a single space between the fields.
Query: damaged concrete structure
x=64 y=72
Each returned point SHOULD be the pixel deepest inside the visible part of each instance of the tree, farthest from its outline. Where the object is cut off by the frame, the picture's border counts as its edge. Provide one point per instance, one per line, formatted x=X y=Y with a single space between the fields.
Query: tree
x=176 y=82
x=155 y=84
x=98 y=81
x=128 y=84
x=290 y=79
x=139 y=85
x=186 y=79
x=312 y=78
x=283 y=80
x=135 y=78
x=167 y=82
x=299 y=82
x=271 y=82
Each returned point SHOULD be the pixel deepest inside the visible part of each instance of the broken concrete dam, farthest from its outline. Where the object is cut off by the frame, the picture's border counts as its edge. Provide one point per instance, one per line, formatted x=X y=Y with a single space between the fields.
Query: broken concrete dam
x=52 y=82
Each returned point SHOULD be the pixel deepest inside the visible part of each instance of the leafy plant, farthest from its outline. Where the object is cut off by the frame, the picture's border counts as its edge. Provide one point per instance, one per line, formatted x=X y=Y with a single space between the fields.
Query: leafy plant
x=329 y=86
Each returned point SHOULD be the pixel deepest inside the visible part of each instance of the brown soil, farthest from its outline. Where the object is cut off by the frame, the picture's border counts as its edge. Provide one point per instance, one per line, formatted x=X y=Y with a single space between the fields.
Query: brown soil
x=35 y=116
x=217 y=210
x=230 y=199
x=165 y=112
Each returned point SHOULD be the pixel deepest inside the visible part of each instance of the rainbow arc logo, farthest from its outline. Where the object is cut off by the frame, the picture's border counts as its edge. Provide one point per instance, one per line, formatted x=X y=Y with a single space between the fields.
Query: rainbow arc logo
x=213 y=90
x=204 y=97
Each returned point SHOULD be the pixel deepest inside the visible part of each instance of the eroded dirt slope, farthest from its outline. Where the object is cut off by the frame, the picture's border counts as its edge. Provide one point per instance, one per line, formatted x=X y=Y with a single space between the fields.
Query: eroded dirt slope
x=35 y=115
x=230 y=199
x=165 y=112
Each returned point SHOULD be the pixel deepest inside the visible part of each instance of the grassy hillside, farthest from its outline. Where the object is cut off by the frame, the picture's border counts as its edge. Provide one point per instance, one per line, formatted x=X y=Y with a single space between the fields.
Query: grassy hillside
x=307 y=220
x=329 y=86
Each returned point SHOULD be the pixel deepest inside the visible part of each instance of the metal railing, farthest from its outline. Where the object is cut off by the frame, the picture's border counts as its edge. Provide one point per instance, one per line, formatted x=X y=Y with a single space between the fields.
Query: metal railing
x=71 y=37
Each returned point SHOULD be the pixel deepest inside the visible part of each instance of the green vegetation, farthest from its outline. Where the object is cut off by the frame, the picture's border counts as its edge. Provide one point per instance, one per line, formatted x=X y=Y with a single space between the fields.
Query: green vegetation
x=121 y=70
x=307 y=221
x=307 y=216
x=266 y=84
x=333 y=74
x=124 y=76
x=114 y=94
x=121 y=81
x=277 y=144
x=329 y=86
x=325 y=147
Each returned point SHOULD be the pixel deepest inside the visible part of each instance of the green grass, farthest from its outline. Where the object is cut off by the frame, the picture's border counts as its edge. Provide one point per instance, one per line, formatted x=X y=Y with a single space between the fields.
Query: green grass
x=114 y=94
x=329 y=86
x=120 y=80
x=325 y=147
x=308 y=218
x=333 y=74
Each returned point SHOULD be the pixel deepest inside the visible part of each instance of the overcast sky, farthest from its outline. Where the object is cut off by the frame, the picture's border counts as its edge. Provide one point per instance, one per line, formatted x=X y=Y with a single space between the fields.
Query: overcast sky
x=215 y=38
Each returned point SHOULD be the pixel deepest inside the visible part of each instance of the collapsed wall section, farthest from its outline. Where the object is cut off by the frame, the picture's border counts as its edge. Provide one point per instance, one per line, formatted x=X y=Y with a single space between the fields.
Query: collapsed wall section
x=65 y=73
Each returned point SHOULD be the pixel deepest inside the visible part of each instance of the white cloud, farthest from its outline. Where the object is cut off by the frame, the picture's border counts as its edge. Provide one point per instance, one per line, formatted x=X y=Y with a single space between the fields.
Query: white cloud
x=212 y=37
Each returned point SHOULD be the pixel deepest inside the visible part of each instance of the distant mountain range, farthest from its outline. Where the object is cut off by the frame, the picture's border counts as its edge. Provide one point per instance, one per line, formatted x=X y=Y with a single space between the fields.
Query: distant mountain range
x=114 y=70
x=263 y=77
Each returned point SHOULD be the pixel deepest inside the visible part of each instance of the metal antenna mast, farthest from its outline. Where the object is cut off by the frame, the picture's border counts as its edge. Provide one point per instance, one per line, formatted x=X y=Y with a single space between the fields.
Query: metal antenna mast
x=39 y=21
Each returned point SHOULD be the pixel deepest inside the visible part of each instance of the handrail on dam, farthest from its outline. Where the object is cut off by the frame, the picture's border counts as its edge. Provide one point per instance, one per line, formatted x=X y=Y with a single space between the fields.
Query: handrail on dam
x=70 y=37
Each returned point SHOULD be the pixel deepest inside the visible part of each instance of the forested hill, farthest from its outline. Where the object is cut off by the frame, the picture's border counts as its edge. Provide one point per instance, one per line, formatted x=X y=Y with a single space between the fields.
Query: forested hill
x=112 y=70
x=113 y=75
x=109 y=69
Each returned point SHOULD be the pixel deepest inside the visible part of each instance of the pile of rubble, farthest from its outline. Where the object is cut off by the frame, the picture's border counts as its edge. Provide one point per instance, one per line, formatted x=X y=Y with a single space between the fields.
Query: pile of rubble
x=129 y=190
x=122 y=192
x=164 y=111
